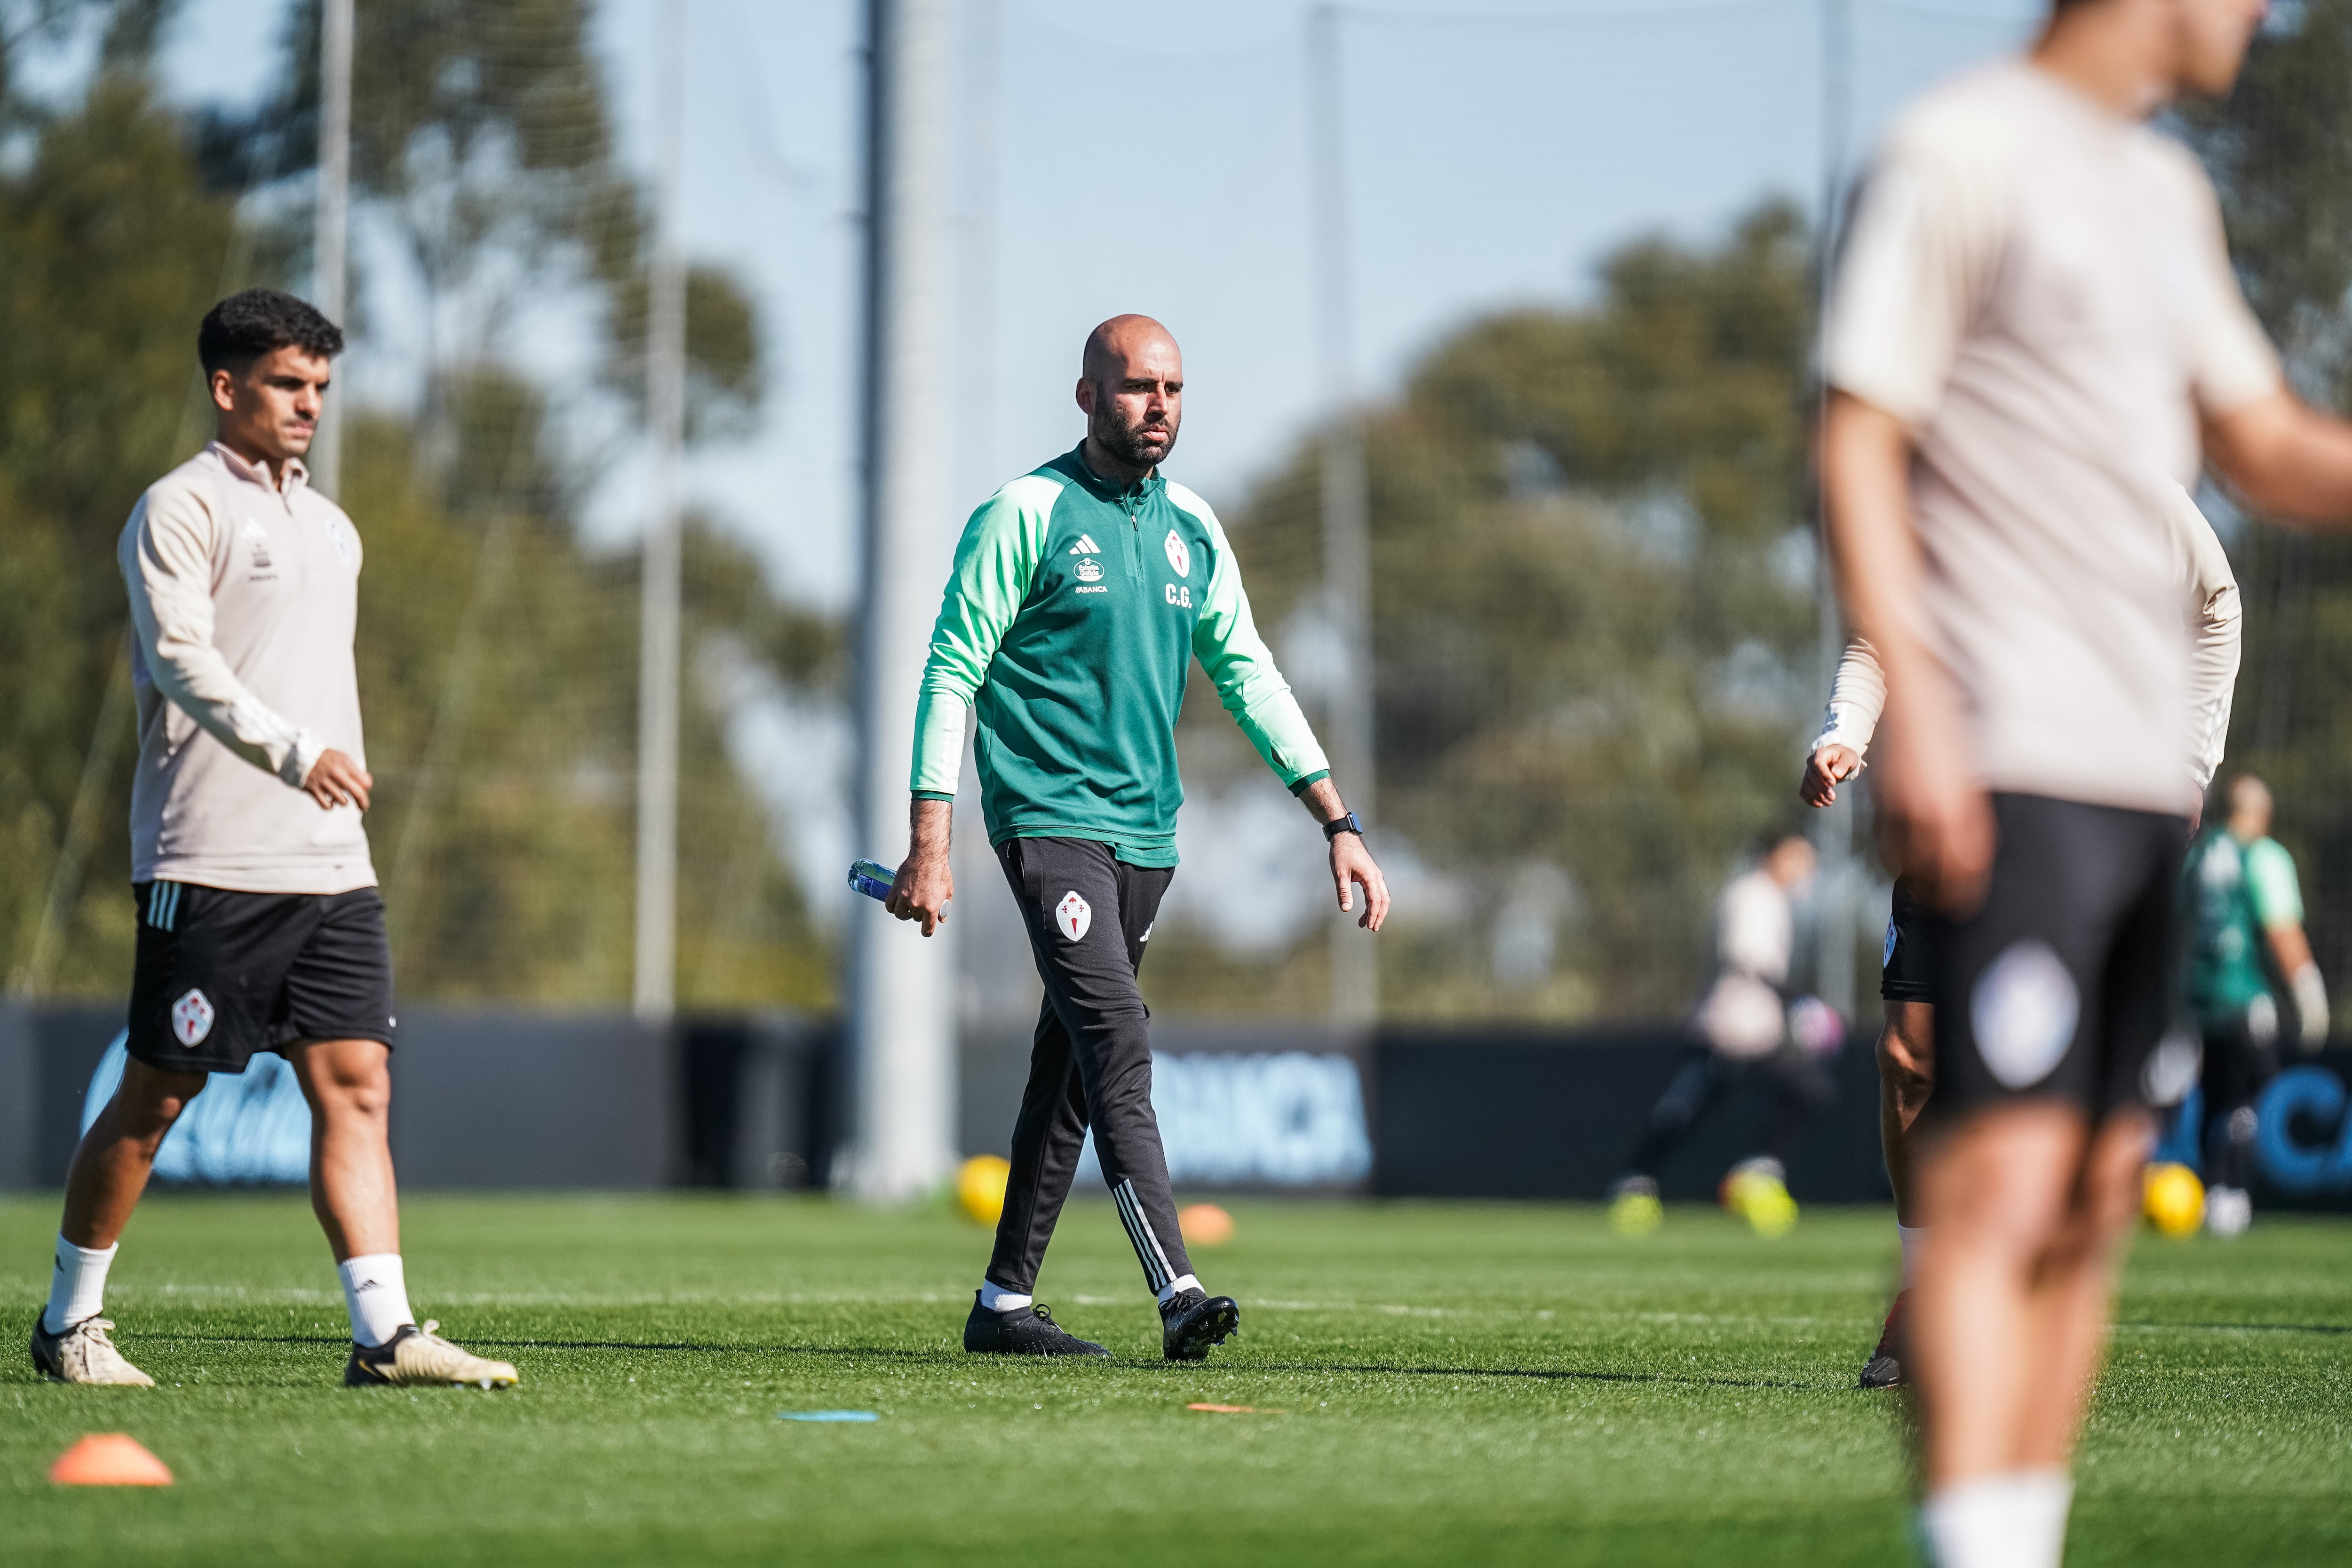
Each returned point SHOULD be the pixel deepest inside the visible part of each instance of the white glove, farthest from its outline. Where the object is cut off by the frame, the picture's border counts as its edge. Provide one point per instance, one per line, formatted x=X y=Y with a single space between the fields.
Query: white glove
x=2311 y=1006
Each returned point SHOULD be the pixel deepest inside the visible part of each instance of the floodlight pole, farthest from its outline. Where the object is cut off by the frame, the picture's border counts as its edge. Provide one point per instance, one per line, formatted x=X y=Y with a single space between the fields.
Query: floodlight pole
x=654 y=995
x=330 y=244
x=1834 y=966
x=982 y=182
x=902 y=985
x=1345 y=500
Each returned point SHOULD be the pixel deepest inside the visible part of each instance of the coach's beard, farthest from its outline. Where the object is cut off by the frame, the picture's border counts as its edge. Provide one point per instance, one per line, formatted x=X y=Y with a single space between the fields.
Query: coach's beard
x=1128 y=443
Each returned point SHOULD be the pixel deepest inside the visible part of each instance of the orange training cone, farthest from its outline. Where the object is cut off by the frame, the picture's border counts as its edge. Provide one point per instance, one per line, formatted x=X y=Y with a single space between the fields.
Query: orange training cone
x=109 y=1459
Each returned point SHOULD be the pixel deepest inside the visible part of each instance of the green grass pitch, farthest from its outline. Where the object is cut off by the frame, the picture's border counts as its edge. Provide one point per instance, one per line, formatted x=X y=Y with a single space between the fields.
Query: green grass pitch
x=1438 y=1383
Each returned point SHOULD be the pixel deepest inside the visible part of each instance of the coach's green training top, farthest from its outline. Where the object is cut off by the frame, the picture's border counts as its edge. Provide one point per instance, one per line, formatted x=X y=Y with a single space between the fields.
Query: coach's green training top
x=2236 y=892
x=1068 y=627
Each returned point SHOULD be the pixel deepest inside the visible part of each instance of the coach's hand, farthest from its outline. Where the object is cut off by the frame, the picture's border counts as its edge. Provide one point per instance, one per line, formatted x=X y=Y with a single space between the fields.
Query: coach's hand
x=1824 y=770
x=924 y=884
x=1351 y=863
x=336 y=780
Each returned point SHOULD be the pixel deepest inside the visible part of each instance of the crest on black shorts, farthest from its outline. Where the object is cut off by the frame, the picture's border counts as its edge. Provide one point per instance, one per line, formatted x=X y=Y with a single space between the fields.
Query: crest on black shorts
x=192 y=1018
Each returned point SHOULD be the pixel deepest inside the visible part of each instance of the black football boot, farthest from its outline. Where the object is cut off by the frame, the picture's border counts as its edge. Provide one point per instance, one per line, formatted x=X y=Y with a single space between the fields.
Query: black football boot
x=1193 y=1321
x=1885 y=1367
x=1023 y=1331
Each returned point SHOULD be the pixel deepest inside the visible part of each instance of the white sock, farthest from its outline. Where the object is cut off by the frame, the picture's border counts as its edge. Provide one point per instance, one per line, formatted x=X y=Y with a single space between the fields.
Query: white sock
x=77 y=1288
x=2044 y=1498
x=1177 y=1286
x=1995 y=1521
x=375 y=1289
x=998 y=1300
x=1913 y=1237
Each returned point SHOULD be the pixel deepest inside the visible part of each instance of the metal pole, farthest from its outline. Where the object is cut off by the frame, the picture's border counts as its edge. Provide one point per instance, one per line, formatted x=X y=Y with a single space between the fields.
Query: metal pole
x=980 y=135
x=981 y=180
x=1834 y=966
x=1346 y=501
x=331 y=244
x=902 y=995
x=654 y=993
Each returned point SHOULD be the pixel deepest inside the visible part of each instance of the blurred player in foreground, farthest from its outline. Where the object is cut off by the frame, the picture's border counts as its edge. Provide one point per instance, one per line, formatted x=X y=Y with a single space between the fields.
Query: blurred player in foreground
x=1907 y=1045
x=259 y=926
x=2035 y=317
x=2246 y=920
x=1081 y=594
x=1747 y=1029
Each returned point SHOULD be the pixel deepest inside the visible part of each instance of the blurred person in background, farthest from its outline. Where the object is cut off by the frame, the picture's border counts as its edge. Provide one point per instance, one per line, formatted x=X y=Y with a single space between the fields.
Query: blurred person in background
x=1081 y=594
x=1748 y=1032
x=1907 y=1047
x=2246 y=950
x=259 y=924
x=2034 y=316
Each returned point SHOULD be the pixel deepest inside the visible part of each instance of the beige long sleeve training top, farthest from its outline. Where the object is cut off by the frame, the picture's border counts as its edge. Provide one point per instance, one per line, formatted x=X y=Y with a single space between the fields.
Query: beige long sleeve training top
x=2215 y=626
x=244 y=605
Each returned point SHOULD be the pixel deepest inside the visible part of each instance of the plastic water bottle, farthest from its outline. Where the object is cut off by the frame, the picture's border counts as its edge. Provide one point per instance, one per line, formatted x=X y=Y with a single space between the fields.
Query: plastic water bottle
x=872 y=878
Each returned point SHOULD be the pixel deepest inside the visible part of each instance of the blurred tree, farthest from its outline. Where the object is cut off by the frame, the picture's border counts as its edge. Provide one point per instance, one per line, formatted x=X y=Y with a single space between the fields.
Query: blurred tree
x=499 y=665
x=2280 y=150
x=1593 y=621
x=497 y=655
x=114 y=250
x=479 y=131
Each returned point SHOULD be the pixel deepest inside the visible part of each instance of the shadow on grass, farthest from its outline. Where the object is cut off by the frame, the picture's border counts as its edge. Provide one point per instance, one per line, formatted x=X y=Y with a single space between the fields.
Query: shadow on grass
x=961 y=1358
x=2238 y=1328
x=1564 y=1374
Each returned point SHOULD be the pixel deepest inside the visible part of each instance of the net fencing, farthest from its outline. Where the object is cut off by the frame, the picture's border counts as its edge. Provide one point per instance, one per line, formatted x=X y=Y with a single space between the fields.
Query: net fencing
x=1581 y=248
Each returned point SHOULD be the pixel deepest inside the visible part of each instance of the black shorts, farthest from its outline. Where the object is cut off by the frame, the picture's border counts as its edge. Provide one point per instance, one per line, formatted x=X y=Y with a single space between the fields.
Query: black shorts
x=1906 y=968
x=222 y=975
x=2059 y=986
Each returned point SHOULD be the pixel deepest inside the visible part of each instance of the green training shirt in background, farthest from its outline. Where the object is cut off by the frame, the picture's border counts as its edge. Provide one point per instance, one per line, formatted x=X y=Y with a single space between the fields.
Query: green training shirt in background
x=2236 y=892
x=1070 y=626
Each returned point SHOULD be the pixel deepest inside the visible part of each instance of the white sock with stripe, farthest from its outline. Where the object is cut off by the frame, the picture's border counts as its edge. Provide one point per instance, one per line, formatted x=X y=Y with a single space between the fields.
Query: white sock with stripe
x=375 y=1289
x=77 y=1288
x=1177 y=1286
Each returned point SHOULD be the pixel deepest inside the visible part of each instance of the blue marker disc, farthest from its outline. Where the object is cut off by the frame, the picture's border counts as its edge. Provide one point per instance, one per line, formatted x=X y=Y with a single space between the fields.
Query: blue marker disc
x=827 y=1415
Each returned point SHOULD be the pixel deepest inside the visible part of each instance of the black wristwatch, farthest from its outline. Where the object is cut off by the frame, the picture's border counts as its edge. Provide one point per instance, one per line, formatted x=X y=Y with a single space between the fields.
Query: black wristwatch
x=1339 y=825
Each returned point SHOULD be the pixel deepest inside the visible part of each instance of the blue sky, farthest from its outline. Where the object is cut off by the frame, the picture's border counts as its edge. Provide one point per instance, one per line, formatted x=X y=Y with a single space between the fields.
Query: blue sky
x=1153 y=159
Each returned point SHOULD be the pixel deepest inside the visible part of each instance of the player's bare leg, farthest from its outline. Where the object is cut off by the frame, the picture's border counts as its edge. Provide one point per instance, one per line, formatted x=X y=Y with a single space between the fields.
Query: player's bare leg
x=1998 y=1193
x=116 y=1156
x=2077 y=1281
x=1906 y=1057
x=109 y=1171
x=349 y=1085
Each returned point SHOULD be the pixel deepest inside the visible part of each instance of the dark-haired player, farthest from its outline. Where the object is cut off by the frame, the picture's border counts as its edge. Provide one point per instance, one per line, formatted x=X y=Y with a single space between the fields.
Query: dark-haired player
x=259 y=927
x=2035 y=323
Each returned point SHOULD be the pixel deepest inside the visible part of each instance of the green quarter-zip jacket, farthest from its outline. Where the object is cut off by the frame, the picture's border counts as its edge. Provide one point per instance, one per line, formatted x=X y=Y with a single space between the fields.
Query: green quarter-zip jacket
x=1068 y=629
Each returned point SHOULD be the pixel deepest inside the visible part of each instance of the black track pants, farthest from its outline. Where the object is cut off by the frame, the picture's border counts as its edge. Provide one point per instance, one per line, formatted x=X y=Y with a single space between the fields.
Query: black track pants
x=2240 y=1057
x=1089 y=916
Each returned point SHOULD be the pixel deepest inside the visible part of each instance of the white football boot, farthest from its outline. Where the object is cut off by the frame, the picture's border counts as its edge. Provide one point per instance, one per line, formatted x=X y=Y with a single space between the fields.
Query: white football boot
x=415 y=1355
x=84 y=1354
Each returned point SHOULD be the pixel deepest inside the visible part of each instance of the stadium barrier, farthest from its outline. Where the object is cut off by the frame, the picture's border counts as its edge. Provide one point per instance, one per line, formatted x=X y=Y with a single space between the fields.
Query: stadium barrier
x=514 y=1098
